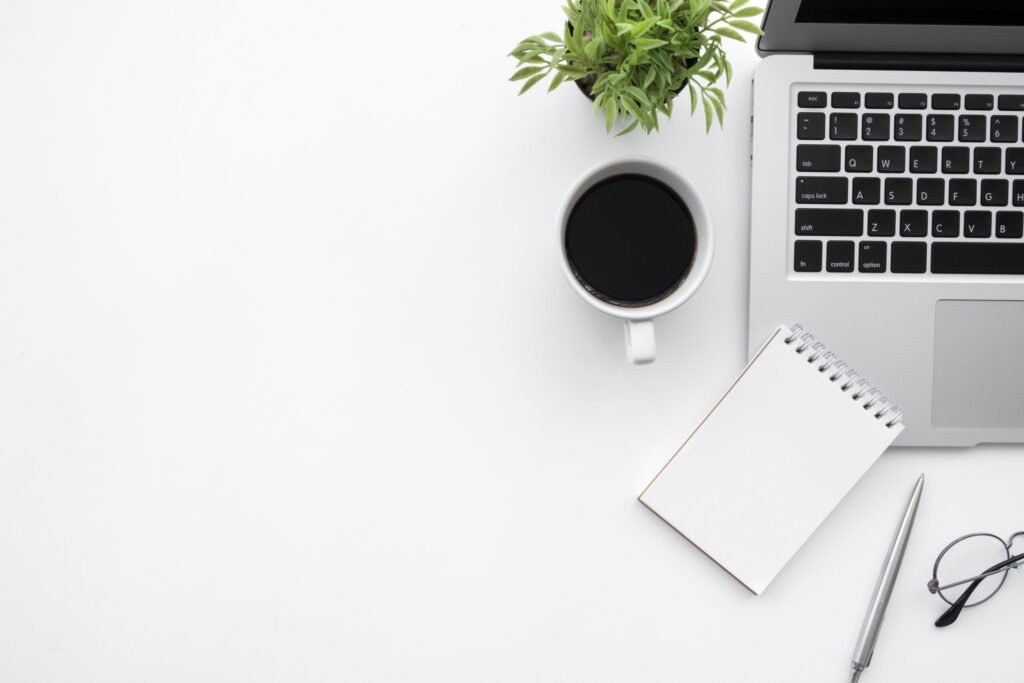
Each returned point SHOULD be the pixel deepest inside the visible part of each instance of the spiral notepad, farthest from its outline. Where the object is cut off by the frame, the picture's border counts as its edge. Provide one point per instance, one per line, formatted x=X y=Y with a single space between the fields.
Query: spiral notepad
x=792 y=435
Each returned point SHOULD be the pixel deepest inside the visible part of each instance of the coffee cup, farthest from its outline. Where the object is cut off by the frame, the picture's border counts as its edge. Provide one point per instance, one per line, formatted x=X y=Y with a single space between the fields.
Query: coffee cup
x=635 y=242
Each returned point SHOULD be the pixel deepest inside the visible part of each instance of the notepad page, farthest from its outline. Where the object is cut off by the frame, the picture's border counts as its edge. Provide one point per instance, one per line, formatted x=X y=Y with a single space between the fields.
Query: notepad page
x=768 y=464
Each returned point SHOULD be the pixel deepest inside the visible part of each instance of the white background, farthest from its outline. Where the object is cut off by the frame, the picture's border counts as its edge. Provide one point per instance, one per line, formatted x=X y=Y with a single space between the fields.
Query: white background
x=292 y=389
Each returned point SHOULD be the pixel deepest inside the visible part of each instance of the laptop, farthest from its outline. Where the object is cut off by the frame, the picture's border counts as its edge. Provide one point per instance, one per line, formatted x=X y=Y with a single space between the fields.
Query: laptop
x=888 y=202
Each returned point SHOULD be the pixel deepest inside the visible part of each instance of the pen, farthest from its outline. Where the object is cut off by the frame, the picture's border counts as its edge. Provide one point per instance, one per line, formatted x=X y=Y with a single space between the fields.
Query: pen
x=876 y=610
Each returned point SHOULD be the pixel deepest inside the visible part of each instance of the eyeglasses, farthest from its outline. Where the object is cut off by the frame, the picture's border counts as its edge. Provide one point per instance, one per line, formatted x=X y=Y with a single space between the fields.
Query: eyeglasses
x=971 y=570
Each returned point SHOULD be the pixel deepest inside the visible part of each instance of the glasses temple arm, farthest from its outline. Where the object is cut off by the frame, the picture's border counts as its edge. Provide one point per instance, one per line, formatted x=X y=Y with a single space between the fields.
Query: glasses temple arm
x=951 y=614
x=979 y=577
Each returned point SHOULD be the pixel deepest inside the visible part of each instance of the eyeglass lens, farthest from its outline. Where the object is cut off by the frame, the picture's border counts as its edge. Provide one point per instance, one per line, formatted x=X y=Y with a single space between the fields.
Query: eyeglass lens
x=967 y=558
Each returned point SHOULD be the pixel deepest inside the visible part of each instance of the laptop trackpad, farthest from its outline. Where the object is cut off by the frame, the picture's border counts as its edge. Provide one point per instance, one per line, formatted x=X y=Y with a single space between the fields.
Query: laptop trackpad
x=979 y=366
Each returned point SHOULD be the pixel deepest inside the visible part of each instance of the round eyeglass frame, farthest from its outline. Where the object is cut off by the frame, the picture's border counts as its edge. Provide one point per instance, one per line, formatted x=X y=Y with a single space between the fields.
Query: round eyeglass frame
x=1007 y=544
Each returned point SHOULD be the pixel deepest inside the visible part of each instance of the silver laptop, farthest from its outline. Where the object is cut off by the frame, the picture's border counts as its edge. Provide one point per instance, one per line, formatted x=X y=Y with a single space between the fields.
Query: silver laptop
x=888 y=202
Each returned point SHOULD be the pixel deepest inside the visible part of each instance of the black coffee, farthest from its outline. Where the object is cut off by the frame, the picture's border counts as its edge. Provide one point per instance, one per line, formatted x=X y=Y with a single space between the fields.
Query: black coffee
x=630 y=240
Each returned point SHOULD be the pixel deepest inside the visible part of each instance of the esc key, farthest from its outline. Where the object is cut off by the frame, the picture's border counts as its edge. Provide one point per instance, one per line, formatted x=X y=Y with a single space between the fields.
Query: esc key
x=812 y=100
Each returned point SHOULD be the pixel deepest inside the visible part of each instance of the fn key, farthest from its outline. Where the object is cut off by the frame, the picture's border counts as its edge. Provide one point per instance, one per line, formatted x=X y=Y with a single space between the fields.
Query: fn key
x=807 y=256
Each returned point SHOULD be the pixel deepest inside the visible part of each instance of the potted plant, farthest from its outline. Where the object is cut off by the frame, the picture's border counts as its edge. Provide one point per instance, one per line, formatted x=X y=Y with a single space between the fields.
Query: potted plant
x=632 y=57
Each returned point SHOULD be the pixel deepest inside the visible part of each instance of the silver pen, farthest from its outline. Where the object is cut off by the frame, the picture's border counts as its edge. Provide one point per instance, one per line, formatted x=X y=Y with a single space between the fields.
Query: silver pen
x=876 y=610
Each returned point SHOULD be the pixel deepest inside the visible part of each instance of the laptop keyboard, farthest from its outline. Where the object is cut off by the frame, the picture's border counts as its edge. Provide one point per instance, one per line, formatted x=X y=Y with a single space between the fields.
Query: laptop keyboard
x=906 y=182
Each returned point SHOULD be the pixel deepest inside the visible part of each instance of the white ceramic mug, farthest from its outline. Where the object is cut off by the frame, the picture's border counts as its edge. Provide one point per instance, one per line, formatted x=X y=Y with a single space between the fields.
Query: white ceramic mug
x=639 y=320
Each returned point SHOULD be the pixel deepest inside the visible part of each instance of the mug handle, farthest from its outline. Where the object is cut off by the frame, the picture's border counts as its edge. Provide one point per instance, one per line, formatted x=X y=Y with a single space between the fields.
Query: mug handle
x=640 y=345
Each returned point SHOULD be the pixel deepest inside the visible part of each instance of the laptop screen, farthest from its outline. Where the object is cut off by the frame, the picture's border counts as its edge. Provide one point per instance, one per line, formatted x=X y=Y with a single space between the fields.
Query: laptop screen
x=943 y=27
x=945 y=12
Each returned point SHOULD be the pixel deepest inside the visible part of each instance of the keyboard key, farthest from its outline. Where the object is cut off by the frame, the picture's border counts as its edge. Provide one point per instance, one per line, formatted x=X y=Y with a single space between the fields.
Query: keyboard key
x=807 y=256
x=810 y=190
x=945 y=101
x=892 y=159
x=931 y=191
x=867 y=190
x=1009 y=224
x=940 y=128
x=810 y=126
x=875 y=127
x=859 y=158
x=881 y=223
x=1011 y=103
x=1015 y=161
x=839 y=257
x=972 y=128
x=879 y=100
x=1003 y=129
x=924 y=159
x=907 y=127
x=945 y=224
x=872 y=257
x=899 y=191
x=909 y=257
x=979 y=102
x=1018 y=192
x=818 y=157
x=963 y=191
x=843 y=126
x=995 y=192
x=977 y=258
x=913 y=223
x=829 y=222
x=845 y=100
x=988 y=159
x=812 y=100
x=977 y=224
x=956 y=159
x=909 y=100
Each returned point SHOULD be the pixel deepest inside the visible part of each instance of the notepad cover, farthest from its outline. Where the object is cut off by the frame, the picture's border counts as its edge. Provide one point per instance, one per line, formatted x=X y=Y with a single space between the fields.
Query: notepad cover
x=768 y=464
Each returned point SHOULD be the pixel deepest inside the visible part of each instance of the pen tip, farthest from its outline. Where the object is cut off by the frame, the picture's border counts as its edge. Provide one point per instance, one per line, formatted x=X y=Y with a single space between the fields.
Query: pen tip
x=855 y=677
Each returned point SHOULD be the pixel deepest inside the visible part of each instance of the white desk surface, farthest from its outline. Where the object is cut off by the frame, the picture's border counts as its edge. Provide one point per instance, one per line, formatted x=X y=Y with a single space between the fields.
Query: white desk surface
x=291 y=388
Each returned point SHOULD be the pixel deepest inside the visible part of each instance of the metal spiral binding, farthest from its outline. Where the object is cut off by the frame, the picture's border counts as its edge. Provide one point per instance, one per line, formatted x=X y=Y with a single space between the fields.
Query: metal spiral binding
x=849 y=380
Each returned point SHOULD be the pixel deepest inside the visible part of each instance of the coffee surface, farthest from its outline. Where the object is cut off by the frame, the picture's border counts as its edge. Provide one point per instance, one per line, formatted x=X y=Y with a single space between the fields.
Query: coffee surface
x=630 y=240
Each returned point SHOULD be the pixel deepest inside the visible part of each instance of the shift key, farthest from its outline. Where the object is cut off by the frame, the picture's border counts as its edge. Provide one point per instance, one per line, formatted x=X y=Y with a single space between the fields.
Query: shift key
x=829 y=222
x=813 y=190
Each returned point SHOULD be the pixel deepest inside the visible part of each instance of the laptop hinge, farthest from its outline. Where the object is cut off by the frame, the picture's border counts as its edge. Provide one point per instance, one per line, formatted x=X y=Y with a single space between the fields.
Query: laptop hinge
x=917 y=62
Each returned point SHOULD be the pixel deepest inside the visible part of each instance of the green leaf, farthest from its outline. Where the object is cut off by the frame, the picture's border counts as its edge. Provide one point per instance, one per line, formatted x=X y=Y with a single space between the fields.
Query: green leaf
x=628 y=129
x=727 y=32
x=532 y=82
x=719 y=111
x=556 y=81
x=745 y=25
x=649 y=78
x=643 y=27
x=630 y=107
x=550 y=36
x=708 y=115
x=572 y=72
x=693 y=98
x=649 y=43
x=624 y=27
x=747 y=12
x=526 y=72
x=610 y=112
x=737 y=4
x=728 y=71
x=639 y=95
x=591 y=49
